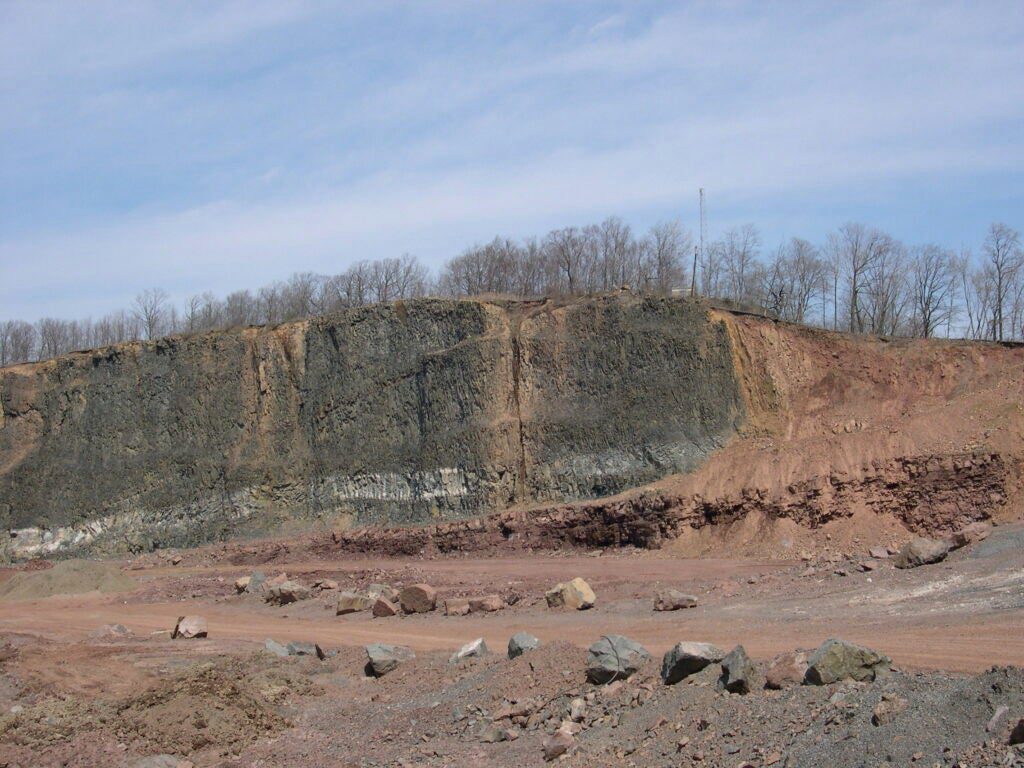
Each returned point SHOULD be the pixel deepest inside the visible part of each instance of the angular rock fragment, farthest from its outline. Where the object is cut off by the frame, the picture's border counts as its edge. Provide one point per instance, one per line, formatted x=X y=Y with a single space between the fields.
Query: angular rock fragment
x=285 y=593
x=255 y=582
x=879 y=553
x=888 y=708
x=837 y=660
x=470 y=650
x=383 y=608
x=274 y=647
x=242 y=584
x=383 y=658
x=921 y=551
x=189 y=627
x=684 y=659
x=352 y=602
x=614 y=657
x=520 y=643
x=971 y=534
x=558 y=743
x=456 y=606
x=786 y=669
x=486 y=604
x=673 y=600
x=575 y=594
x=738 y=671
x=418 y=598
x=302 y=648
x=386 y=591
x=1017 y=734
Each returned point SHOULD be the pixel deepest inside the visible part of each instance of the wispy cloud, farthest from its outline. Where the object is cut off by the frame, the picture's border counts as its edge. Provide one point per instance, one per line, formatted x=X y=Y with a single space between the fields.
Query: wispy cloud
x=255 y=139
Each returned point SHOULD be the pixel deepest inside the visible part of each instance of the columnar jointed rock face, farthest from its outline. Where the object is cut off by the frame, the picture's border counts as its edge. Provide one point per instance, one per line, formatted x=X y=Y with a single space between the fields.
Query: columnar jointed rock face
x=394 y=413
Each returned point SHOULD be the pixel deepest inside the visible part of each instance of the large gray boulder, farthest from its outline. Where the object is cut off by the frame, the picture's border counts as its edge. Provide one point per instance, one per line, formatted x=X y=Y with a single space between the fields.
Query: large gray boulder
x=921 y=551
x=614 y=657
x=520 y=643
x=837 y=660
x=383 y=658
x=738 y=671
x=685 y=659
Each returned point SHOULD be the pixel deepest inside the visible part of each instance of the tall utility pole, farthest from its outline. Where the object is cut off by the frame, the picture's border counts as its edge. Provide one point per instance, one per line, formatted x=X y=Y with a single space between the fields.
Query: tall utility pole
x=703 y=223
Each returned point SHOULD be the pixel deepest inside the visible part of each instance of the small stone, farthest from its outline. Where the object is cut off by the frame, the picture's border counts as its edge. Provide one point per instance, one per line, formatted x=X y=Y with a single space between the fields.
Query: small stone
x=470 y=650
x=673 y=600
x=879 y=553
x=242 y=584
x=993 y=723
x=383 y=608
x=383 y=658
x=189 y=627
x=326 y=584
x=557 y=744
x=418 y=598
x=575 y=594
x=888 y=708
x=577 y=710
x=684 y=659
x=614 y=657
x=1017 y=734
x=520 y=643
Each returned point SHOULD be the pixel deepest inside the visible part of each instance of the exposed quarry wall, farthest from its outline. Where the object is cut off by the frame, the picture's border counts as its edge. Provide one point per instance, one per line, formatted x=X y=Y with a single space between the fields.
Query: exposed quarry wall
x=427 y=410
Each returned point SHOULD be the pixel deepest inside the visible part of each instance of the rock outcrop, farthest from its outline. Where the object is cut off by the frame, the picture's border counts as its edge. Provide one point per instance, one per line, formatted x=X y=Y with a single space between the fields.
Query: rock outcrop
x=395 y=413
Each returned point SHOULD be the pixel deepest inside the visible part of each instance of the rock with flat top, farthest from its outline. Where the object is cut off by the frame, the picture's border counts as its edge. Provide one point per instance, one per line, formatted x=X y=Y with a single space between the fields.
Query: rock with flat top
x=520 y=643
x=189 y=628
x=685 y=659
x=673 y=600
x=276 y=648
x=486 y=604
x=383 y=658
x=302 y=648
x=837 y=660
x=352 y=602
x=575 y=594
x=456 y=606
x=418 y=598
x=286 y=592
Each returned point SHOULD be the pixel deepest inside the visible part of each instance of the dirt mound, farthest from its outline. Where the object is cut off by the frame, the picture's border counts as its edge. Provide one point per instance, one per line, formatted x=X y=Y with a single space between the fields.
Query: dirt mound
x=69 y=577
x=209 y=706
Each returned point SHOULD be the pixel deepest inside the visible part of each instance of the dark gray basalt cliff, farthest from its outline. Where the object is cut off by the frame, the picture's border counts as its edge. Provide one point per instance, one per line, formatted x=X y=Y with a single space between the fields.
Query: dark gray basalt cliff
x=396 y=413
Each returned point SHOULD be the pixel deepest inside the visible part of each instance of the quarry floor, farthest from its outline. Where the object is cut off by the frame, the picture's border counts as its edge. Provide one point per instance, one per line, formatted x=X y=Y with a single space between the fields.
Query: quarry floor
x=962 y=615
x=937 y=622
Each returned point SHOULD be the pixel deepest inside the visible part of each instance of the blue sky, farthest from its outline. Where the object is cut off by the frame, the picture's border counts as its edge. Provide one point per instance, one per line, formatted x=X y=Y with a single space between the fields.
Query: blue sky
x=219 y=145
